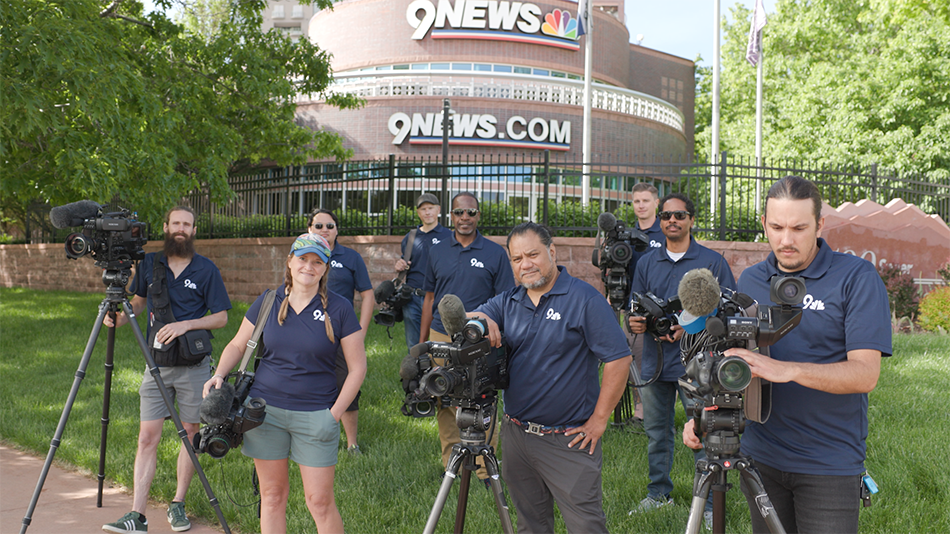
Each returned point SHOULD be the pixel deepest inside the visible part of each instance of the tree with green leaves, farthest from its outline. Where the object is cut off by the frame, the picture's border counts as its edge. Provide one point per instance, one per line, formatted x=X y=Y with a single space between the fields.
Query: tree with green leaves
x=101 y=99
x=844 y=83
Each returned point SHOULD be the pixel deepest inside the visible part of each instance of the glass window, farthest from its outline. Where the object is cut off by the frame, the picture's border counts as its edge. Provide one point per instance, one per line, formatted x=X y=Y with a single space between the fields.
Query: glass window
x=439 y=66
x=278 y=12
x=298 y=11
x=420 y=66
x=502 y=68
x=522 y=70
x=461 y=66
x=541 y=72
x=482 y=67
x=574 y=77
x=557 y=74
x=400 y=67
x=384 y=67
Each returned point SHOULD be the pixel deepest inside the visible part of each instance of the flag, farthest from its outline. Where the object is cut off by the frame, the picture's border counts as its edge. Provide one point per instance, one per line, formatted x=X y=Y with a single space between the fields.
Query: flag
x=581 y=17
x=755 y=33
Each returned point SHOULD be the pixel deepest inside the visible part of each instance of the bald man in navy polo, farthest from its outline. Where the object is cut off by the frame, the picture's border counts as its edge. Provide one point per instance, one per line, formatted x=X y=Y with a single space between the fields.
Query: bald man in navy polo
x=558 y=331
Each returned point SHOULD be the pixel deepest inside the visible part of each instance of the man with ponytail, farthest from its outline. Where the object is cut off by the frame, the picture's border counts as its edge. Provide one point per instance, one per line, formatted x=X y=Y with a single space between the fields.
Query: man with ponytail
x=297 y=379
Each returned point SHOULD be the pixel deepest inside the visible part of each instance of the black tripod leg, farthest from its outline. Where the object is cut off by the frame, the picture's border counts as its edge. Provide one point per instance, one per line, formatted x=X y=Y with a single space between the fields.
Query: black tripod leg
x=491 y=465
x=702 y=481
x=465 y=484
x=58 y=435
x=106 y=399
x=762 y=502
x=451 y=471
x=182 y=434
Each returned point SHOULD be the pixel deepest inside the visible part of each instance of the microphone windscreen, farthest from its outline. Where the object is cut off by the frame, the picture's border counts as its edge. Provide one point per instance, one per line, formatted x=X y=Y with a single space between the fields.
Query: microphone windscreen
x=699 y=292
x=606 y=221
x=216 y=407
x=452 y=312
x=409 y=368
x=418 y=349
x=73 y=214
x=383 y=291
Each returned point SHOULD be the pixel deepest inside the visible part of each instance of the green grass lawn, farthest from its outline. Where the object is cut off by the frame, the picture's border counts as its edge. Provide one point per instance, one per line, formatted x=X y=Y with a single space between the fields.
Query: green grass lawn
x=392 y=486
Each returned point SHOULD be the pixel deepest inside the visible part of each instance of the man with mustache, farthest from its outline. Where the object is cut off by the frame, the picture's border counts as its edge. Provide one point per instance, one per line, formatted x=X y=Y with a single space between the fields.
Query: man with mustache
x=193 y=287
x=474 y=269
x=659 y=272
x=811 y=450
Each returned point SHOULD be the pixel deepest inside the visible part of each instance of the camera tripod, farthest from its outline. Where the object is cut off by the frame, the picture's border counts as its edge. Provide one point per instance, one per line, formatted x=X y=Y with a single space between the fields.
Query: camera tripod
x=115 y=276
x=473 y=444
x=722 y=456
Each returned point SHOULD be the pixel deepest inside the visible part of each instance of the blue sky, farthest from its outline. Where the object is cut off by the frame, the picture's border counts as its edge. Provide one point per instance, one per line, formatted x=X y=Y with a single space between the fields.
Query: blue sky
x=680 y=27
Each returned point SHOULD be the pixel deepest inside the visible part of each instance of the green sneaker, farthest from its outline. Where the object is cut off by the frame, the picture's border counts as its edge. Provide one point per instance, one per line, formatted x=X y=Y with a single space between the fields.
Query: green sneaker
x=177 y=518
x=128 y=523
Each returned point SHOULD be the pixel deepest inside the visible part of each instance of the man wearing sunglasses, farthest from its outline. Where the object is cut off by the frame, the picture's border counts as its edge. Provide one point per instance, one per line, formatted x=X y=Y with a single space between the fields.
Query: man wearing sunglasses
x=429 y=233
x=659 y=272
x=472 y=268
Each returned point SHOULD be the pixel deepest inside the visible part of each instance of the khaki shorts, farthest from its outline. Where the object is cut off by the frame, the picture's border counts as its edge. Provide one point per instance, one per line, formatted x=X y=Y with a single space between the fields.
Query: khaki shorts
x=308 y=438
x=183 y=383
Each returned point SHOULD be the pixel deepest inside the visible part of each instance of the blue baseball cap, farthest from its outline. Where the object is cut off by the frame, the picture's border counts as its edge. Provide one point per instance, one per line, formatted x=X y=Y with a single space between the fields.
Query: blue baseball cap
x=692 y=324
x=306 y=243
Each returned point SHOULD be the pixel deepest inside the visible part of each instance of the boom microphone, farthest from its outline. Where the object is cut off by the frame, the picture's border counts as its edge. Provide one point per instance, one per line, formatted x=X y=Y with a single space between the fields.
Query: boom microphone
x=452 y=312
x=216 y=407
x=699 y=292
x=606 y=221
x=383 y=291
x=73 y=214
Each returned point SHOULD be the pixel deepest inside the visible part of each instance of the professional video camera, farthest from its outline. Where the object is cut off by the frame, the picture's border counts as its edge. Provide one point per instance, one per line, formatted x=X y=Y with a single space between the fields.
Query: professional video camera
x=471 y=372
x=659 y=314
x=614 y=256
x=391 y=295
x=112 y=238
x=718 y=321
x=228 y=417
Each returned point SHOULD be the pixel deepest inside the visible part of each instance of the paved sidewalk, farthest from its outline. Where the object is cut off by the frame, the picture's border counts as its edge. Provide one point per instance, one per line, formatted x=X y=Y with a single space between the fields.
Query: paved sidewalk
x=67 y=503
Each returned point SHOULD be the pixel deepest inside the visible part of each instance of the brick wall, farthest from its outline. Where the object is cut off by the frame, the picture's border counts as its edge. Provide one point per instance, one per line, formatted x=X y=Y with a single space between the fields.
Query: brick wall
x=251 y=265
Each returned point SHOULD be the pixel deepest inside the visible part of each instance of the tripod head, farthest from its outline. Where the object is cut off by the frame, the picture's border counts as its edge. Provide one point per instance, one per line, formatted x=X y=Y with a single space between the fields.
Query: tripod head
x=475 y=417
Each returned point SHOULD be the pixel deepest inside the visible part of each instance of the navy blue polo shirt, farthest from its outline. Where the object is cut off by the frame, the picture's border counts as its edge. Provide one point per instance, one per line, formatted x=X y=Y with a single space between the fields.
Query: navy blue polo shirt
x=657 y=239
x=474 y=273
x=416 y=275
x=347 y=273
x=199 y=288
x=845 y=308
x=298 y=365
x=554 y=349
x=659 y=274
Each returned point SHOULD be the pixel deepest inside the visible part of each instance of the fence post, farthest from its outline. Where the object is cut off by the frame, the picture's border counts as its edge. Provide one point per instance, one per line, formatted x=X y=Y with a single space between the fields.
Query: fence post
x=547 y=183
x=722 y=196
x=287 y=201
x=392 y=191
x=874 y=183
x=210 y=215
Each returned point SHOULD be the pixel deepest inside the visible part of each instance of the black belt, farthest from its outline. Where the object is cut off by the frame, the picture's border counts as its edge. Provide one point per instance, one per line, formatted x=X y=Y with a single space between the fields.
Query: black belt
x=537 y=428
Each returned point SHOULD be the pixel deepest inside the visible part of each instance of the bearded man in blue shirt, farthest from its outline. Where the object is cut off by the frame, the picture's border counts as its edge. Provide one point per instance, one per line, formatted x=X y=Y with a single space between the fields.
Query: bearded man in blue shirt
x=811 y=450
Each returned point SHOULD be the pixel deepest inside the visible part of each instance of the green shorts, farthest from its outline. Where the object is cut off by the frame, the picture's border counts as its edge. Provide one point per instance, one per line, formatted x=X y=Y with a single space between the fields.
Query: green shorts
x=308 y=438
x=183 y=383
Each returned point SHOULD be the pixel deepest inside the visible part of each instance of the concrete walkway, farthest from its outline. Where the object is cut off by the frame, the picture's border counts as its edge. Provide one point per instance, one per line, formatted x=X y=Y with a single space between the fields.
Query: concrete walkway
x=67 y=503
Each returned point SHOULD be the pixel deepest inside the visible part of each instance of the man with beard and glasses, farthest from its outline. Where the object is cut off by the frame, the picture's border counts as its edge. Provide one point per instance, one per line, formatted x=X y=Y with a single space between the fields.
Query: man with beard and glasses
x=198 y=300
x=660 y=272
x=558 y=330
x=474 y=269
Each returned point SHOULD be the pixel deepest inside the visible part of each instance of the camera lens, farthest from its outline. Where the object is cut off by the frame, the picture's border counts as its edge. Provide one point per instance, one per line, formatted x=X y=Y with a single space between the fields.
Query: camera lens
x=439 y=382
x=77 y=246
x=620 y=252
x=474 y=330
x=217 y=447
x=424 y=409
x=733 y=373
x=255 y=408
x=789 y=290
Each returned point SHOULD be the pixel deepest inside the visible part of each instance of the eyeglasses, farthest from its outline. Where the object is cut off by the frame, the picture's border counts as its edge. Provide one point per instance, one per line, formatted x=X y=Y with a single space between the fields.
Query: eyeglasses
x=459 y=212
x=680 y=215
x=319 y=226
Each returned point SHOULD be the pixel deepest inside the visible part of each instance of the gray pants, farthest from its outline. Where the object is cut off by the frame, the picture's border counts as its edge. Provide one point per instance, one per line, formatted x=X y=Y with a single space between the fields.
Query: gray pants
x=542 y=470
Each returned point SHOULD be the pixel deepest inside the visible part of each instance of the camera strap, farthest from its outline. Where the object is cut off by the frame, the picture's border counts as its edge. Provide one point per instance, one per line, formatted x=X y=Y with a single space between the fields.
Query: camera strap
x=407 y=254
x=158 y=290
x=266 y=305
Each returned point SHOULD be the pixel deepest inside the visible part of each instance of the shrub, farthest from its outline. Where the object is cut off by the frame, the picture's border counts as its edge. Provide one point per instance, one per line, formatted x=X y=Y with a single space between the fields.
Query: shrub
x=901 y=292
x=935 y=310
x=944 y=273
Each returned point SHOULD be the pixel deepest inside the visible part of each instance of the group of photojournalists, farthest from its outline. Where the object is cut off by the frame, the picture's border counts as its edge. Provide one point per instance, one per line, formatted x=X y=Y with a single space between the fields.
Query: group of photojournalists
x=784 y=357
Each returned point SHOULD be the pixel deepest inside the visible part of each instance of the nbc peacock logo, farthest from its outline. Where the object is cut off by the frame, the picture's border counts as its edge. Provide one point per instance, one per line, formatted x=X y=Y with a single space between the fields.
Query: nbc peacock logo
x=559 y=23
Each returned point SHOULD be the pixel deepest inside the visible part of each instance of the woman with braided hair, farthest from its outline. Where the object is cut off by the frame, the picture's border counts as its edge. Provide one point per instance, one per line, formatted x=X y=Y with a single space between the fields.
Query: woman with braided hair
x=297 y=379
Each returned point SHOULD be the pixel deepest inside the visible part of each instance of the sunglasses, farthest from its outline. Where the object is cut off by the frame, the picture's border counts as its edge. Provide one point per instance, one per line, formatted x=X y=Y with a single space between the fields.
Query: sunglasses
x=319 y=226
x=680 y=215
x=459 y=212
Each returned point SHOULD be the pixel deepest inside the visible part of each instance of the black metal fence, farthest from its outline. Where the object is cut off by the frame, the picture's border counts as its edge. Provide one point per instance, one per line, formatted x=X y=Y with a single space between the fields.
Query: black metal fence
x=376 y=197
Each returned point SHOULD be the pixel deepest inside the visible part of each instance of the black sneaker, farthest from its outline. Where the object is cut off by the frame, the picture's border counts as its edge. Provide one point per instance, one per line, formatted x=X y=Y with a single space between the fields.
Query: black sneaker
x=128 y=523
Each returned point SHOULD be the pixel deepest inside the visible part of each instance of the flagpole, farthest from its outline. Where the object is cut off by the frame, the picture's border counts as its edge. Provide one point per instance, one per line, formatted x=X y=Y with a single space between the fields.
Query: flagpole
x=758 y=131
x=588 y=95
x=713 y=179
